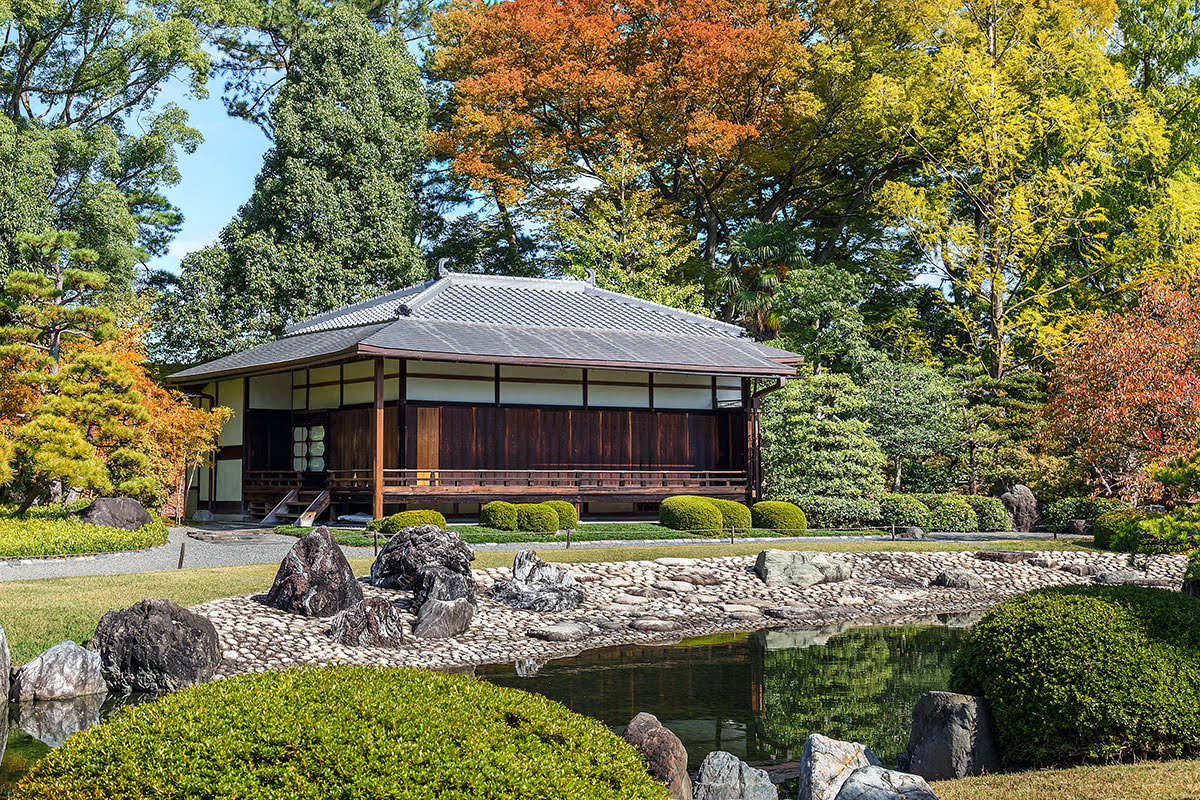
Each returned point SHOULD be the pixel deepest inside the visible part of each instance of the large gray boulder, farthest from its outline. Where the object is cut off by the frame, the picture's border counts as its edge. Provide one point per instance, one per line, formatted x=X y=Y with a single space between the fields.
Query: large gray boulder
x=538 y=586
x=724 y=776
x=799 y=568
x=957 y=578
x=443 y=619
x=1022 y=507
x=825 y=764
x=372 y=623
x=64 y=671
x=877 y=783
x=156 y=645
x=314 y=578
x=429 y=561
x=664 y=753
x=115 y=512
x=952 y=736
x=52 y=722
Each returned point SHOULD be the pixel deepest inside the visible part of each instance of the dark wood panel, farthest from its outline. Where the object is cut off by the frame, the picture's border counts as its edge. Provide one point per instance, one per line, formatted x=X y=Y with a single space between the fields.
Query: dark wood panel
x=268 y=437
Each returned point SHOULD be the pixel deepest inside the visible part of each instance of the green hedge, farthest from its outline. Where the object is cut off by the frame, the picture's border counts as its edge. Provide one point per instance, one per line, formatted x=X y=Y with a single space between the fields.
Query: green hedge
x=390 y=526
x=1177 y=532
x=686 y=512
x=733 y=514
x=1058 y=514
x=990 y=513
x=49 y=532
x=778 y=516
x=278 y=735
x=568 y=517
x=1117 y=530
x=537 y=518
x=903 y=510
x=1082 y=673
x=499 y=515
x=838 y=512
x=950 y=512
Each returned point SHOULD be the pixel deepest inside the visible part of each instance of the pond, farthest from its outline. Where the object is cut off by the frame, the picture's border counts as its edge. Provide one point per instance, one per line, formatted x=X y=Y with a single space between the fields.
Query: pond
x=757 y=695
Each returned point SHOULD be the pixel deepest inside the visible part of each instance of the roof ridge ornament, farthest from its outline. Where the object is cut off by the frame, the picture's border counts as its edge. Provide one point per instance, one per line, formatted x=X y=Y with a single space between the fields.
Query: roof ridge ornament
x=591 y=276
x=442 y=271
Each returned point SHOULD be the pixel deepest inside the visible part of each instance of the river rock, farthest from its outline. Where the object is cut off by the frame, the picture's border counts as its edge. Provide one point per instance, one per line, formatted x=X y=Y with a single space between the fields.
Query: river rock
x=52 y=722
x=314 y=578
x=538 y=586
x=562 y=632
x=952 y=736
x=652 y=625
x=1003 y=556
x=724 y=776
x=374 y=622
x=1080 y=527
x=443 y=619
x=1080 y=569
x=664 y=753
x=877 y=783
x=1022 y=507
x=115 y=512
x=957 y=578
x=799 y=568
x=826 y=763
x=1119 y=577
x=65 y=670
x=425 y=548
x=156 y=646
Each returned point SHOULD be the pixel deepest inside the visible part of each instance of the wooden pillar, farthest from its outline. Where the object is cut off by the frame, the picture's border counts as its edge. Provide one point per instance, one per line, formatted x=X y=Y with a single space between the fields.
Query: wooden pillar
x=377 y=464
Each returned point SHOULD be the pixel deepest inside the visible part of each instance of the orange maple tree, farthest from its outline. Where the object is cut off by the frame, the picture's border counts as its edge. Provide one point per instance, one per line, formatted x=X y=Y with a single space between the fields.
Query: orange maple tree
x=1126 y=396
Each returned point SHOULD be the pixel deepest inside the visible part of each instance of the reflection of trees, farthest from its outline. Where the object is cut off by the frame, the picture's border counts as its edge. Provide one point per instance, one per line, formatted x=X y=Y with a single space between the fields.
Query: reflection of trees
x=858 y=684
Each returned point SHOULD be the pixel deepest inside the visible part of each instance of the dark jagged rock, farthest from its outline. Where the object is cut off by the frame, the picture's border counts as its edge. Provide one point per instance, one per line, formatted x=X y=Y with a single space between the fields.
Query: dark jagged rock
x=52 y=722
x=952 y=736
x=443 y=619
x=1022 y=507
x=372 y=623
x=420 y=549
x=665 y=754
x=1080 y=527
x=912 y=533
x=115 y=512
x=314 y=578
x=156 y=646
x=538 y=586
x=62 y=672
x=957 y=578
x=724 y=776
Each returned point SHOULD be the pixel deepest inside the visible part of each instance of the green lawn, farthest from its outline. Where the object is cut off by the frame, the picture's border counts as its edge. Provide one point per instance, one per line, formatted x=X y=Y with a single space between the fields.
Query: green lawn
x=1145 y=780
x=37 y=614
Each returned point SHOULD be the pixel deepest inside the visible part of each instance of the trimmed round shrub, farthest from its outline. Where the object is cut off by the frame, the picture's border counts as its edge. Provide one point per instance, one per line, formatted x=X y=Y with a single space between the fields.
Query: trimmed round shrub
x=778 y=516
x=568 y=517
x=537 y=518
x=838 y=512
x=903 y=510
x=1088 y=673
x=990 y=513
x=346 y=732
x=949 y=512
x=1117 y=530
x=499 y=515
x=1056 y=515
x=687 y=512
x=389 y=526
x=733 y=514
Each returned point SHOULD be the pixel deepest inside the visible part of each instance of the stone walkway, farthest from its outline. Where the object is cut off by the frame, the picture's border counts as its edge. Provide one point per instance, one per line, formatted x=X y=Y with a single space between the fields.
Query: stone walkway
x=643 y=602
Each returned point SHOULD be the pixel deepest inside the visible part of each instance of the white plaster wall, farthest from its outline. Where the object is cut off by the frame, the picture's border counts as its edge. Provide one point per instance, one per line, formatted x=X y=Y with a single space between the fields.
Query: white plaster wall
x=697 y=398
x=634 y=391
x=229 y=394
x=271 y=391
x=451 y=391
x=358 y=369
x=450 y=368
x=324 y=374
x=324 y=396
x=356 y=393
x=229 y=479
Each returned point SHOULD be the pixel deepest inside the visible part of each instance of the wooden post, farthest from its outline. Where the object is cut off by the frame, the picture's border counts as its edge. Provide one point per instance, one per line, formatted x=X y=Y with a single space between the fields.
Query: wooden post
x=377 y=464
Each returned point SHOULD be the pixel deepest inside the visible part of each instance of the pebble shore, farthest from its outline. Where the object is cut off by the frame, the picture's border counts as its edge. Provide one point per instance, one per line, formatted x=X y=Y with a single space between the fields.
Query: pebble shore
x=662 y=601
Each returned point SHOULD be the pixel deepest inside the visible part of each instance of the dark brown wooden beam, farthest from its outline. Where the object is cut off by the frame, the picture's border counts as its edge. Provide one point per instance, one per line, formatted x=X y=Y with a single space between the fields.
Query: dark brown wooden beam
x=377 y=463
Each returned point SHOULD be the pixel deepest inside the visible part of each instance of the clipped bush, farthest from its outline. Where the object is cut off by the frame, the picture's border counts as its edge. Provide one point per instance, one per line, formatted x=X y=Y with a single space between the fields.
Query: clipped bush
x=568 y=517
x=838 y=512
x=688 y=512
x=990 y=513
x=537 y=518
x=499 y=515
x=903 y=510
x=1177 y=532
x=1117 y=530
x=276 y=735
x=778 y=516
x=389 y=526
x=949 y=512
x=1058 y=515
x=49 y=532
x=733 y=514
x=1088 y=673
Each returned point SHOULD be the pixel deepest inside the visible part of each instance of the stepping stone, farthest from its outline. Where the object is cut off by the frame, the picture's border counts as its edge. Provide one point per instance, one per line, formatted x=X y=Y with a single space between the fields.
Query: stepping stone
x=562 y=632
x=1080 y=569
x=626 y=599
x=679 y=587
x=655 y=625
x=1003 y=556
x=698 y=578
x=734 y=608
x=703 y=599
x=676 y=562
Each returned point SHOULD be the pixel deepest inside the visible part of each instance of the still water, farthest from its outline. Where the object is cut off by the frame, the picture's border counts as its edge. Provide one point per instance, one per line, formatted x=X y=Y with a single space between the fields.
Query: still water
x=757 y=695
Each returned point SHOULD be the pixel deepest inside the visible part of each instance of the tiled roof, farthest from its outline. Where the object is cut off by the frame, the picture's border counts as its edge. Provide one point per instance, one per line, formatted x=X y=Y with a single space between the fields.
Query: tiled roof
x=288 y=350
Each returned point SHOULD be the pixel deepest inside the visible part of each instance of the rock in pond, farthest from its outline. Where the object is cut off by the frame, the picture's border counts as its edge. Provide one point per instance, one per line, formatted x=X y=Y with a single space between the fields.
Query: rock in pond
x=314 y=578
x=877 y=783
x=156 y=646
x=952 y=736
x=443 y=619
x=115 y=512
x=957 y=578
x=664 y=753
x=374 y=622
x=52 y=722
x=62 y=672
x=538 y=586
x=724 y=776
x=799 y=568
x=825 y=764
x=425 y=558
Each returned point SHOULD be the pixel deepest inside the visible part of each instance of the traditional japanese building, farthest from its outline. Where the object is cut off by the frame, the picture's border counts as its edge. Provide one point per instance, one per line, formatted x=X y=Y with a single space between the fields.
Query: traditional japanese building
x=470 y=388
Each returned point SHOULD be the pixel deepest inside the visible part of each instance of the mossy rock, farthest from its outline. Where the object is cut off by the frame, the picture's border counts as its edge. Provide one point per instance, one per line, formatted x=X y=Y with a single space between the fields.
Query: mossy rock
x=777 y=515
x=688 y=512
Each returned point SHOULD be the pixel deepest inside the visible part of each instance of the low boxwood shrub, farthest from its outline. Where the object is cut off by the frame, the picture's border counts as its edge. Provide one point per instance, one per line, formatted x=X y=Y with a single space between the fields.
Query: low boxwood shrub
x=838 y=512
x=1117 y=530
x=537 y=518
x=346 y=732
x=499 y=515
x=950 y=512
x=568 y=517
x=389 y=526
x=733 y=514
x=48 y=531
x=903 y=510
x=1084 y=673
x=1058 y=514
x=1177 y=532
x=777 y=515
x=688 y=512
x=990 y=513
